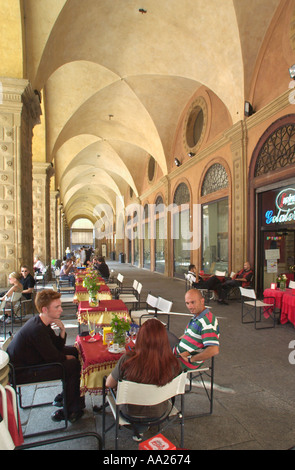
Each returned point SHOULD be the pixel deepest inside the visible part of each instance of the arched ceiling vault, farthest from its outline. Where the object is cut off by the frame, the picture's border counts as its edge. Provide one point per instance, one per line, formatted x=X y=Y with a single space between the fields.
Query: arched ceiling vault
x=115 y=82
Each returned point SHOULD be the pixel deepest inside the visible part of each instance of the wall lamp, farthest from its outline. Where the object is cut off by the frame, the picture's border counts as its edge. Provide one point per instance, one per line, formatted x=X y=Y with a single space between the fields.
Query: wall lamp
x=191 y=154
x=248 y=109
x=292 y=72
x=177 y=162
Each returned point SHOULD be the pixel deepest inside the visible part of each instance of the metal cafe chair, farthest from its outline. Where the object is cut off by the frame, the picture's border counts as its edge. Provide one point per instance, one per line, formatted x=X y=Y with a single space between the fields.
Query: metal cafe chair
x=252 y=309
x=145 y=395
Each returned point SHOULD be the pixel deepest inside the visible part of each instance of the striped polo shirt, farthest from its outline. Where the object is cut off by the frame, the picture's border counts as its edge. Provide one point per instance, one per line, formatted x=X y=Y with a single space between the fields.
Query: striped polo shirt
x=202 y=331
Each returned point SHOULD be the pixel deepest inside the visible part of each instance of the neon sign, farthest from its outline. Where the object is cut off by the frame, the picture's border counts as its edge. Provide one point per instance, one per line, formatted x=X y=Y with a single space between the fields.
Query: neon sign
x=285 y=203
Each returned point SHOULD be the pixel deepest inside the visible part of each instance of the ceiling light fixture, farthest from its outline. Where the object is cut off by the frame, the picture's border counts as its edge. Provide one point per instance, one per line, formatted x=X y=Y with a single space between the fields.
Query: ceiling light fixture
x=248 y=109
x=292 y=72
x=177 y=162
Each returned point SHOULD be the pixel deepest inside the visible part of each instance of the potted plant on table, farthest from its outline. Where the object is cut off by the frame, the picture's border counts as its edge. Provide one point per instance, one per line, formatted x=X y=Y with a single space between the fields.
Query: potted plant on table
x=119 y=326
x=281 y=280
x=91 y=283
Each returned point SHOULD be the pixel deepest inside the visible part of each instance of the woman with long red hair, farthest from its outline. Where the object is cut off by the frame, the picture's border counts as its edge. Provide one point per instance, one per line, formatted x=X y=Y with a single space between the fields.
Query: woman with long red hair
x=150 y=362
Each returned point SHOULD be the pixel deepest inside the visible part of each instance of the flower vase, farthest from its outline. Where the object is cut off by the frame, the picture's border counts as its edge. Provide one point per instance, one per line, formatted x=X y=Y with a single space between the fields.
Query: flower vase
x=283 y=285
x=93 y=300
x=120 y=338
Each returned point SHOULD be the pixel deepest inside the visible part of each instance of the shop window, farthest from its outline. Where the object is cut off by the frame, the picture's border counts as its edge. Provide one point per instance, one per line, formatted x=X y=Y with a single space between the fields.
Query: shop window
x=215 y=250
x=181 y=230
x=160 y=236
x=146 y=239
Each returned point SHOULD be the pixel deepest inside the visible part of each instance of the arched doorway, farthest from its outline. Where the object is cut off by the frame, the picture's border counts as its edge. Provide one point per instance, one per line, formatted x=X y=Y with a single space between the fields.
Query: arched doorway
x=272 y=212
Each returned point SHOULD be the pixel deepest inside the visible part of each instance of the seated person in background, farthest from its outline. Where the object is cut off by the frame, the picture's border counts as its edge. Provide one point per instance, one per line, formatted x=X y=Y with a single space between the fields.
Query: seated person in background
x=241 y=279
x=192 y=273
x=103 y=268
x=212 y=283
x=200 y=340
x=27 y=281
x=37 y=343
x=67 y=272
x=14 y=279
x=150 y=362
x=38 y=265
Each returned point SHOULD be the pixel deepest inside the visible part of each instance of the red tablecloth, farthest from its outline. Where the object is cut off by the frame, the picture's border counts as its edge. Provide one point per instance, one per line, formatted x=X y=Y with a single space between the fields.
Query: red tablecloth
x=285 y=301
x=277 y=294
x=96 y=362
x=102 y=314
x=288 y=307
x=81 y=293
x=15 y=432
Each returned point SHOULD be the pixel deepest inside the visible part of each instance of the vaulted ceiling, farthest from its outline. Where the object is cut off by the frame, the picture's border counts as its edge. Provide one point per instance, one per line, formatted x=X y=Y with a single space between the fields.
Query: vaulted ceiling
x=115 y=76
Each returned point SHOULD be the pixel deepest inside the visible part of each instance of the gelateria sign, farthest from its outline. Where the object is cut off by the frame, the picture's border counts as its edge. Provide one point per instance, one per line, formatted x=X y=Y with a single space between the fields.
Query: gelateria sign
x=285 y=204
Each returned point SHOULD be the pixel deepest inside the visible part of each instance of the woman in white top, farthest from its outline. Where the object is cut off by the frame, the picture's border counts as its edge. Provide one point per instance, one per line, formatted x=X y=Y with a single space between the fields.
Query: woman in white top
x=14 y=279
x=38 y=265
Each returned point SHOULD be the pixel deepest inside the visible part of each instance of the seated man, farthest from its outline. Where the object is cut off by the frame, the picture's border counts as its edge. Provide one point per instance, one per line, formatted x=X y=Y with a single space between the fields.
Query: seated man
x=200 y=340
x=242 y=279
x=192 y=273
x=212 y=283
x=103 y=268
x=36 y=343
x=27 y=281
x=67 y=272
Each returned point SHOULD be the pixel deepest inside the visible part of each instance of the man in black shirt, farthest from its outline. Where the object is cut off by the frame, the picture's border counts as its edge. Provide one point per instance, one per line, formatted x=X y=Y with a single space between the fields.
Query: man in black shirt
x=36 y=343
x=28 y=282
x=103 y=268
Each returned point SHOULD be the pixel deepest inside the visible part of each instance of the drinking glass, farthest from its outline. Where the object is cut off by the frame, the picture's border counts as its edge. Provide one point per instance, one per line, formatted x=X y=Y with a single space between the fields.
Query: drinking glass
x=91 y=326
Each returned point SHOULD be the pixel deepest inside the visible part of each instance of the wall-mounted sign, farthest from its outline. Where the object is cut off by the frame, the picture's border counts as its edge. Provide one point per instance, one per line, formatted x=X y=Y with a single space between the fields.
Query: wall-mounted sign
x=285 y=203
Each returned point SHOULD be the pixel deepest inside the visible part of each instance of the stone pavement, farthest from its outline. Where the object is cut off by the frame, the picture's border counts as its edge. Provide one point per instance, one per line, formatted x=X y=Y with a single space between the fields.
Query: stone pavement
x=254 y=383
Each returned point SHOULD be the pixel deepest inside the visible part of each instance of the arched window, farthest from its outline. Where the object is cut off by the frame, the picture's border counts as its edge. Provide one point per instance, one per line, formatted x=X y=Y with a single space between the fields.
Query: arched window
x=277 y=152
x=216 y=178
x=160 y=224
x=215 y=249
x=181 y=229
x=146 y=238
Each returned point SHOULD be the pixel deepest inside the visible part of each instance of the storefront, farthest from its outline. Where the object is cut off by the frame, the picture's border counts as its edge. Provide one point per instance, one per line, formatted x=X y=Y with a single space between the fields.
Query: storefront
x=275 y=232
x=271 y=244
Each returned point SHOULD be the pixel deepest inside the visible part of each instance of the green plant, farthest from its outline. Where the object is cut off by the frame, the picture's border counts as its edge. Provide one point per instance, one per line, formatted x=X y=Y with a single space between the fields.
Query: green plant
x=91 y=282
x=119 y=326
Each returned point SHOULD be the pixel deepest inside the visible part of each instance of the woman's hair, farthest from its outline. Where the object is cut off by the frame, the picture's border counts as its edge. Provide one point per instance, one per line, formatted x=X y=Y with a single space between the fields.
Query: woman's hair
x=152 y=361
x=15 y=275
x=45 y=297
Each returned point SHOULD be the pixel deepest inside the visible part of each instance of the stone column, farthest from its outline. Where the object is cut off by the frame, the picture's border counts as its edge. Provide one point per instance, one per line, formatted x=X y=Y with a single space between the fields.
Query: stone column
x=238 y=139
x=41 y=210
x=19 y=112
x=54 y=224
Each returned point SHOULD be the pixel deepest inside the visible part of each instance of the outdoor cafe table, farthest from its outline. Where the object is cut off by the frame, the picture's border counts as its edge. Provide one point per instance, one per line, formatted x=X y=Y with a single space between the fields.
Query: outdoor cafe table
x=284 y=301
x=102 y=313
x=81 y=293
x=96 y=362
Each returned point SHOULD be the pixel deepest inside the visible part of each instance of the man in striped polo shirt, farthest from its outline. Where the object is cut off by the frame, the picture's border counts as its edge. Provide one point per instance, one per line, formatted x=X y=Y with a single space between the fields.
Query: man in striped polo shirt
x=200 y=340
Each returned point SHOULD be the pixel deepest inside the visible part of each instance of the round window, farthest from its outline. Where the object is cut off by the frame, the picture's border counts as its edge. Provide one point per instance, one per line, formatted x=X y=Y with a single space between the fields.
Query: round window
x=151 y=168
x=195 y=124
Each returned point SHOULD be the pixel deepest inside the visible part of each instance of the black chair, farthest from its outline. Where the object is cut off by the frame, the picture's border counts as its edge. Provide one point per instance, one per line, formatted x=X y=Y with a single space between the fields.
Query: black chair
x=205 y=376
x=20 y=378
